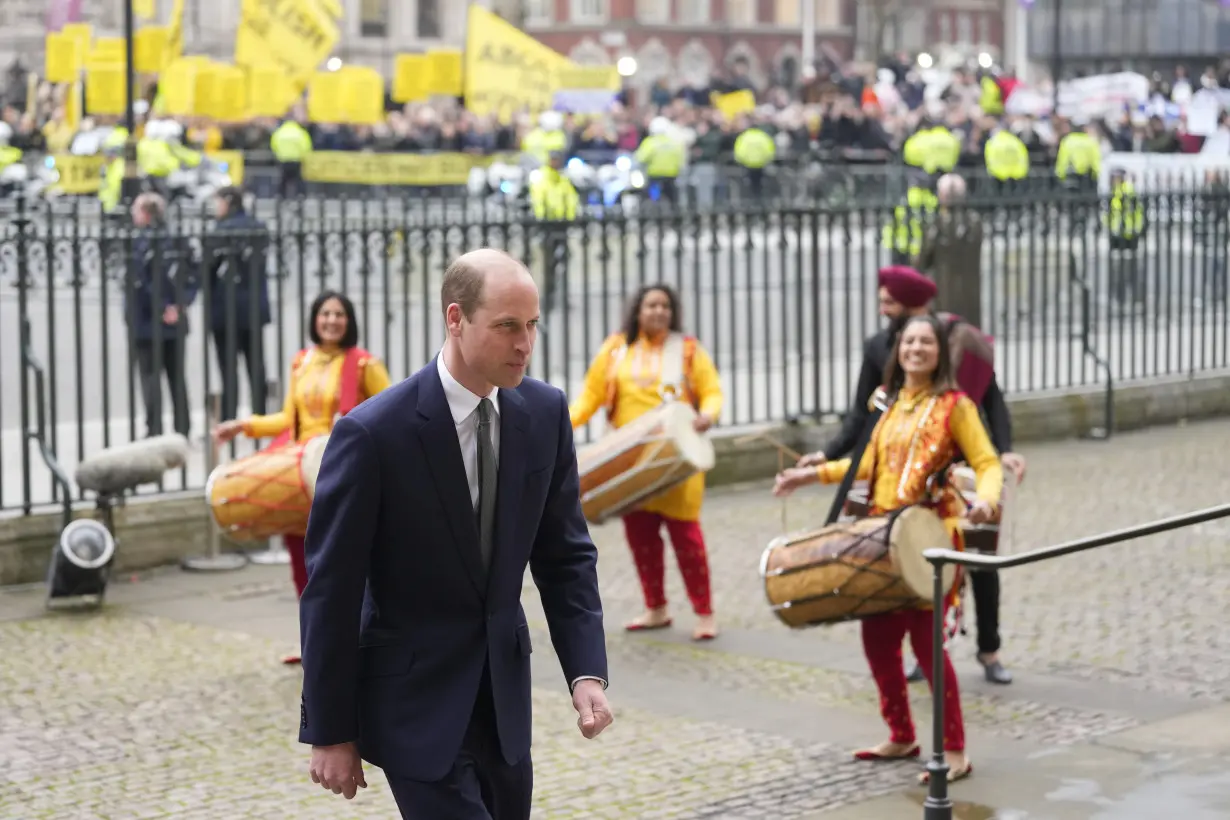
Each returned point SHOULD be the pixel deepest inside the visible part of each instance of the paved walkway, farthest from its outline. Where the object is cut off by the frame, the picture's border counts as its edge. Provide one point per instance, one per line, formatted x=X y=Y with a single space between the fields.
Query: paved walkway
x=170 y=703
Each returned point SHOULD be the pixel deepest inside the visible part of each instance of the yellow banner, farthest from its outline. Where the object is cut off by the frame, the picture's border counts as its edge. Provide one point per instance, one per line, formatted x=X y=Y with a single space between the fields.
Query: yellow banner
x=231 y=162
x=506 y=70
x=64 y=59
x=83 y=175
x=588 y=78
x=297 y=35
x=79 y=175
x=175 y=34
x=361 y=168
x=105 y=91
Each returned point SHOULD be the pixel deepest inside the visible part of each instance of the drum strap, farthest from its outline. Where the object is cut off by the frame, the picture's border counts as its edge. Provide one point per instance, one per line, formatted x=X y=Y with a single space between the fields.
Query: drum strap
x=843 y=490
x=672 y=366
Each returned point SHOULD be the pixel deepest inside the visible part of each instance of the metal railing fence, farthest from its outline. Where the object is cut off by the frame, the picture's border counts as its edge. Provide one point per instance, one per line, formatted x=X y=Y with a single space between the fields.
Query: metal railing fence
x=783 y=298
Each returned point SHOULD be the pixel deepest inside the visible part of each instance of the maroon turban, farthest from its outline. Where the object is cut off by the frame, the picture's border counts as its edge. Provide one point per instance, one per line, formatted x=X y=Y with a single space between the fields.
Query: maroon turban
x=907 y=286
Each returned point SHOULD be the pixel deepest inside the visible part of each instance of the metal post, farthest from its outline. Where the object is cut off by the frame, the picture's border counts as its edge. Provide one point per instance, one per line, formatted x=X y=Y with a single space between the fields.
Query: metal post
x=937 y=806
x=130 y=186
x=808 y=52
x=275 y=552
x=1056 y=56
x=215 y=560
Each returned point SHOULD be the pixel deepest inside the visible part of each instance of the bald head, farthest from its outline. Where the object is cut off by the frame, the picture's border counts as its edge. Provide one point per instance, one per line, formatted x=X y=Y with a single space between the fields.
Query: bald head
x=491 y=314
x=950 y=188
x=466 y=279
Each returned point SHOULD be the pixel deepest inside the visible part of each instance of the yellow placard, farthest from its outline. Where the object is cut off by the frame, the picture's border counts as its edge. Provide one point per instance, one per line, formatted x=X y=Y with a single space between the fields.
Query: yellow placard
x=65 y=57
x=363 y=92
x=410 y=77
x=326 y=97
x=444 y=73
x=83 y=33
x=149 y=48
x=177 y=88
x=361 y=168
x=588 y=78
x=733 y=104
x=230 y=102
x=105 y=90
x=270 y=93
x=144 y=9
x=506 y=70
x=108 y=50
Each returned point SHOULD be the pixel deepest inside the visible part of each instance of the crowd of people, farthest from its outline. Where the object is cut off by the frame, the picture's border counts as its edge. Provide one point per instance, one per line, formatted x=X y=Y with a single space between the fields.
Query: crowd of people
x=863 y=113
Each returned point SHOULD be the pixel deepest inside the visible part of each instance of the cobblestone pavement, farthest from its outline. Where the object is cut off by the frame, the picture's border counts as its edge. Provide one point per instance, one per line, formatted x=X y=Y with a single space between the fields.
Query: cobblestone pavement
x=170 y=702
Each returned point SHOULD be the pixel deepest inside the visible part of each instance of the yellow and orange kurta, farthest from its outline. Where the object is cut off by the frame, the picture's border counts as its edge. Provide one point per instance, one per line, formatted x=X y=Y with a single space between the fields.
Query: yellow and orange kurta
x=314 y=393
x=917 y=436
x=631 y=385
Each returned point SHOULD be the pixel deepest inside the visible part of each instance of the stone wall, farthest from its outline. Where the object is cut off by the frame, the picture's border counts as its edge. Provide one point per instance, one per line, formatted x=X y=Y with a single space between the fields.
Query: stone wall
x=163 y=530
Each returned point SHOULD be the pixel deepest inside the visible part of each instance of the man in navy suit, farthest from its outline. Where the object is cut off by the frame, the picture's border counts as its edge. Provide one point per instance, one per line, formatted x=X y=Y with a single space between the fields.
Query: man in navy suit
x=432 y=498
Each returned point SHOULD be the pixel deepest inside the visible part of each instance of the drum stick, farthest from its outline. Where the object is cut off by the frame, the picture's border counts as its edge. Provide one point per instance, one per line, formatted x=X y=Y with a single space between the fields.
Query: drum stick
x=781 y=468
x=782 y=449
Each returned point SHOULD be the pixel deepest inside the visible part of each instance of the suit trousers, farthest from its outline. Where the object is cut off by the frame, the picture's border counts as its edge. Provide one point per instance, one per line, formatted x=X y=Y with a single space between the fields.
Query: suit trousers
x=152 y=363
x=481 y=785
x=986 y=609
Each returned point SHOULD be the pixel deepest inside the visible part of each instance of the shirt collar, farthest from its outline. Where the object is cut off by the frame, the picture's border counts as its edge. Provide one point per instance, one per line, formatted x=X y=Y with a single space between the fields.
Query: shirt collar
x=461 y=402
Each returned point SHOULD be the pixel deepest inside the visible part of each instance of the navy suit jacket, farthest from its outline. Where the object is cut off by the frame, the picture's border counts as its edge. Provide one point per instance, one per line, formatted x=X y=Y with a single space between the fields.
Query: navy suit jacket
x=399 y=617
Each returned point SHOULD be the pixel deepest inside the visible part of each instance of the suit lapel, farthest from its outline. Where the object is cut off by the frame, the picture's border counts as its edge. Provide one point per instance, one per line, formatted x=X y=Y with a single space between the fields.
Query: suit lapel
x=514 y=420
x=439 y=439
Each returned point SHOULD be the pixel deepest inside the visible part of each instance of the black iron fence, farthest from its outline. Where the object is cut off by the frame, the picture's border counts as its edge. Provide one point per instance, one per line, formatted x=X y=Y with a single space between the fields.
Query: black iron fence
x=783 y=298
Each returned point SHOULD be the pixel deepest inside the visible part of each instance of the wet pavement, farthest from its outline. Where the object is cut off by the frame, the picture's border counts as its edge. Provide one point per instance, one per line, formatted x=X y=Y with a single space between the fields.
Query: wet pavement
x=171 y=703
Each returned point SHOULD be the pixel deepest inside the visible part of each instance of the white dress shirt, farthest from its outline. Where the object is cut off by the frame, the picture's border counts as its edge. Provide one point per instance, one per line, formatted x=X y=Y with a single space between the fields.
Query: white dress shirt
x=464 y=406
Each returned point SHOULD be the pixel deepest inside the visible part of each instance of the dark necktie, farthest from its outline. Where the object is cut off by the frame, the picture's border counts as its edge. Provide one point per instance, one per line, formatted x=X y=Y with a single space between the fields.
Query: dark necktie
x=486 y=483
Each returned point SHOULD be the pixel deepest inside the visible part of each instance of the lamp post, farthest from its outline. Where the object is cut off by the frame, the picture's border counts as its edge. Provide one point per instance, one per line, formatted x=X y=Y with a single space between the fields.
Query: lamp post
x=1056 y=56
x=130 y=186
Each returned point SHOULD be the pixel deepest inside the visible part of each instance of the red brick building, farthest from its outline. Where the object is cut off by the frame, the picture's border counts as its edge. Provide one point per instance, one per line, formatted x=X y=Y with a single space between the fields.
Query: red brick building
x=688 y=41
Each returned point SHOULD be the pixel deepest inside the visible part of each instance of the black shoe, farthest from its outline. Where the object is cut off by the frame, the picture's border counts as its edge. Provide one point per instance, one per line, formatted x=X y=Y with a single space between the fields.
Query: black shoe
x=995 y=671
x=914 y=673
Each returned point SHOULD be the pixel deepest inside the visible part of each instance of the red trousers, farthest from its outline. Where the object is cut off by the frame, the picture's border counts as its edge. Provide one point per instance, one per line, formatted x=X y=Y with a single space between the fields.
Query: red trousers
x=882 y=637
x=644 y=533
x=298 y=566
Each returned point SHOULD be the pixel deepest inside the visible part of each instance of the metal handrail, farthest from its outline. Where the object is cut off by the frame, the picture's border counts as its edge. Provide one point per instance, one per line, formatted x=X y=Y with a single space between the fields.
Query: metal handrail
x=39 y=433
x=938 y=806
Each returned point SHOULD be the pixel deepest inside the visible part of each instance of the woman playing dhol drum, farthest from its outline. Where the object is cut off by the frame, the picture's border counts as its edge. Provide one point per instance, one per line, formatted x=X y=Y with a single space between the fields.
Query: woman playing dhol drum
x=327 y=380
x=626 y=378
x=928 y=422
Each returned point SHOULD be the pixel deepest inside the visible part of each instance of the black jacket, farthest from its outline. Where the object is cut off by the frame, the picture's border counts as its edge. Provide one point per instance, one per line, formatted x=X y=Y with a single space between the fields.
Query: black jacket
x=875 y=357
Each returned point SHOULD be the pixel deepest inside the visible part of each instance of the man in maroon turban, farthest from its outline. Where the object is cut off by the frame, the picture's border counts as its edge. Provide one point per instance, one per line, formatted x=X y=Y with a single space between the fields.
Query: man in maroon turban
x=907 y=287
x=904 y=292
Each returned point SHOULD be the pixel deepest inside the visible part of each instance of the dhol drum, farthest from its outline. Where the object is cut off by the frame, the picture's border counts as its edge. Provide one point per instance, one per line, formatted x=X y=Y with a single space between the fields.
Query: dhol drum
x=982 y=538
x=267 y=493
x=853 y=569
x=642 y=460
